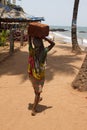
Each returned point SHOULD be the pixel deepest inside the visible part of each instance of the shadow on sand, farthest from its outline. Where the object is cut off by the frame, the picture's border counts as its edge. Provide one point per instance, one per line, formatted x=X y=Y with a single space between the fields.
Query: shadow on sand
x=56 y=64
x=40 y=107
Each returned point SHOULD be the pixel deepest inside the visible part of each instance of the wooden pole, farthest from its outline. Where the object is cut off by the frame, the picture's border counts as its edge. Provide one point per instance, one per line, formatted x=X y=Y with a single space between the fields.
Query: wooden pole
x=11 y=41
x=22 y=33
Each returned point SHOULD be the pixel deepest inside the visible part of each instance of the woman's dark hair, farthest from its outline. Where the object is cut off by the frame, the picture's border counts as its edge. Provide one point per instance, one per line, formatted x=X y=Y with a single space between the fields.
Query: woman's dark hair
x=38 y=42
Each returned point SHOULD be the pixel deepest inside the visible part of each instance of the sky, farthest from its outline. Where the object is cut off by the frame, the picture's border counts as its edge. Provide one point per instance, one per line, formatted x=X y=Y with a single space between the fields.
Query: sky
x=55 y=12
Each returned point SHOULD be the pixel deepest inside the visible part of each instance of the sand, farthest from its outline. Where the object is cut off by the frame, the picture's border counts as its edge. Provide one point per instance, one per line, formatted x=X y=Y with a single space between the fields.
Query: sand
x=62 y=107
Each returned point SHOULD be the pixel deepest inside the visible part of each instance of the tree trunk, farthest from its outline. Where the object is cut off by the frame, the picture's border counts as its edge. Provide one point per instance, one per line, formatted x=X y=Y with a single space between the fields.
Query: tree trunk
x=0 y=26
x=75 y=46
x=80 y=81
x=11 y=42
x=22 y=34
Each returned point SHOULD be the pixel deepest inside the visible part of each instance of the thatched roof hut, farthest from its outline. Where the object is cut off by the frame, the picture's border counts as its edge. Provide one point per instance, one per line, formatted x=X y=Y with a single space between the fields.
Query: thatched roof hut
x=15 y=14
x=11 y=15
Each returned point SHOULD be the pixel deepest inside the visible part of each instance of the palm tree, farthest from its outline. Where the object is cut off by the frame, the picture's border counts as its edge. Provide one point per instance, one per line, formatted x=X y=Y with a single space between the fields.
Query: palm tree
x=80 y=82
x=75 y=46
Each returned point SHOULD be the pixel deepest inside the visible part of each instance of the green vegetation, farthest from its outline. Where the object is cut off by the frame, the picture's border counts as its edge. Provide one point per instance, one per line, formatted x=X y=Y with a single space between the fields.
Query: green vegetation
x=3 y=37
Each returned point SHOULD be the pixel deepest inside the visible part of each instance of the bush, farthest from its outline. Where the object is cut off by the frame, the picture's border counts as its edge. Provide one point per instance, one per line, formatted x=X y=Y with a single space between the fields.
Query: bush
x=3 y=37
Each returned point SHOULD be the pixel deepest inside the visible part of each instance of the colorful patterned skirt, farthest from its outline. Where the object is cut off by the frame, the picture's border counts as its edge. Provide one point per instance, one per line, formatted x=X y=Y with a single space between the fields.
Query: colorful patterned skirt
x=37 y=84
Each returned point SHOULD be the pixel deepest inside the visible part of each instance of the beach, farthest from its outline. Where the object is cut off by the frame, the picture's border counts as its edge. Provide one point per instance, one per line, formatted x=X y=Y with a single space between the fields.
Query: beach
x=64 y=35
x=62 y=107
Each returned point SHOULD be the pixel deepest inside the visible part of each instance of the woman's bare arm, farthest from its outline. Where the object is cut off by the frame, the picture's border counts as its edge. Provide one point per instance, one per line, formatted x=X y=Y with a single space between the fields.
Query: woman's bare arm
x=51 y=43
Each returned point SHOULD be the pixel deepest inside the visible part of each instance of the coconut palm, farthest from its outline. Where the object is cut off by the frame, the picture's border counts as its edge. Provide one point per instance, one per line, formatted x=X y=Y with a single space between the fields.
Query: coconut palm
x=75 y=46
x=80 y=81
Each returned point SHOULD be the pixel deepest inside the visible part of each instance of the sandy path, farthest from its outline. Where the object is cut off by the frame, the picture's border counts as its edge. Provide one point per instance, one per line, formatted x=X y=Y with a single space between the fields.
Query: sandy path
x=62 y=108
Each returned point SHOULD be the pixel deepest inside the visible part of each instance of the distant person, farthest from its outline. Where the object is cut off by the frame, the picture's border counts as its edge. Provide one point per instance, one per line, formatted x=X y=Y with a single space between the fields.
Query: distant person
x=36 y=66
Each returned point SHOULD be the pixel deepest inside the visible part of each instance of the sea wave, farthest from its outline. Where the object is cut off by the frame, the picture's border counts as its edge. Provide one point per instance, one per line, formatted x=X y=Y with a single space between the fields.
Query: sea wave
x=67 y=39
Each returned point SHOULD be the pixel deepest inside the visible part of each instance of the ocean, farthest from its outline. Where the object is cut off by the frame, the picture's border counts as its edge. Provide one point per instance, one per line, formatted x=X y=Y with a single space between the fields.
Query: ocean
x=66 y=35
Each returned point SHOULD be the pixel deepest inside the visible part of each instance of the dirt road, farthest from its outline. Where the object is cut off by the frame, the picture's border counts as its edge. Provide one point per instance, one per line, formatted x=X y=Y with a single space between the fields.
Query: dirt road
x=62 y=107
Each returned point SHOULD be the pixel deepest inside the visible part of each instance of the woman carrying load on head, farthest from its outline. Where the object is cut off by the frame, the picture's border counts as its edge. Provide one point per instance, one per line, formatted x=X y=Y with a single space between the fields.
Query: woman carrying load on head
x=36 y=65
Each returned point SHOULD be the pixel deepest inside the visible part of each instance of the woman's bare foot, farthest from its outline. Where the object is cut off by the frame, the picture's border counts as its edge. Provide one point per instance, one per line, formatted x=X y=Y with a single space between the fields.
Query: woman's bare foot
x=33 y=113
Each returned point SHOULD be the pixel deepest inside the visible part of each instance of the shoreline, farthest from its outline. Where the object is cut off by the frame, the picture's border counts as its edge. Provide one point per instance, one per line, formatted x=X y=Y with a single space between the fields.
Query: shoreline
x=57 y=36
